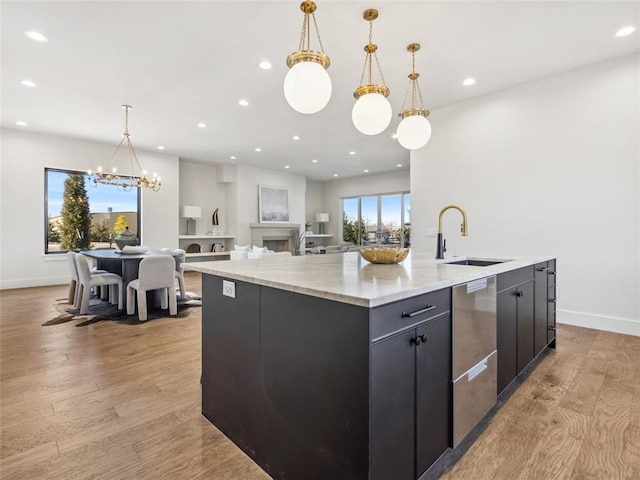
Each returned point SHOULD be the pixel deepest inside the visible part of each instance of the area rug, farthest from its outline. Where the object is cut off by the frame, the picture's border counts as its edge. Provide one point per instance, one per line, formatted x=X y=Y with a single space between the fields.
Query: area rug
x=101 y=310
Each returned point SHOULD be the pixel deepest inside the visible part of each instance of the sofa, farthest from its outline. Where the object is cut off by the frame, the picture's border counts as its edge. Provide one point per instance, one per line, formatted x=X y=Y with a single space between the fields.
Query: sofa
x=240 y=252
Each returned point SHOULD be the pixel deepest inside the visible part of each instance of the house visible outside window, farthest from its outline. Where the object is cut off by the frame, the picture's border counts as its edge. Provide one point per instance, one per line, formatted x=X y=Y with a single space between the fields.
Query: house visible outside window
x=79 y=215
x=383 y=219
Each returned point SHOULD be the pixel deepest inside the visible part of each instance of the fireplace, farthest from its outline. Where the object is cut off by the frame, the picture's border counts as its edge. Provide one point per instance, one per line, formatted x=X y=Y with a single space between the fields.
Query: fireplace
x=274 y=236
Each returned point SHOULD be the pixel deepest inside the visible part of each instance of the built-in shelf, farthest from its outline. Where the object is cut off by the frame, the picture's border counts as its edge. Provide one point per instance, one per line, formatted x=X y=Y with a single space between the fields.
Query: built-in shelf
x=204 y=237
x=208 y=254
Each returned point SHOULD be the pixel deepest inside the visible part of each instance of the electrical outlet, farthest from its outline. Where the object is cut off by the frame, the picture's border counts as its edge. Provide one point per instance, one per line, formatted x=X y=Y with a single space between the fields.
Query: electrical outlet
x=229 y=289
x=432 y=232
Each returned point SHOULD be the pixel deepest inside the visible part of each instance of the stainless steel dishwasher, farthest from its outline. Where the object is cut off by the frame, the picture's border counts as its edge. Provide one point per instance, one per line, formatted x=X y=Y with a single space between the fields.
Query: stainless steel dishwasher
x=474 y=354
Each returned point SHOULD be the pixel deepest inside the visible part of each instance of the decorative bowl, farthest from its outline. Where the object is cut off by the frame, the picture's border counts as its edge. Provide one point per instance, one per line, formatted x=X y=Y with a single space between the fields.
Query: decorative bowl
x=384 y=254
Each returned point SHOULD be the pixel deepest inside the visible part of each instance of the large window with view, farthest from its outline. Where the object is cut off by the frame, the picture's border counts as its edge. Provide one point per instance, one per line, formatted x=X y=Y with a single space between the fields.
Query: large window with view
x=383 y=219
x=79 y=215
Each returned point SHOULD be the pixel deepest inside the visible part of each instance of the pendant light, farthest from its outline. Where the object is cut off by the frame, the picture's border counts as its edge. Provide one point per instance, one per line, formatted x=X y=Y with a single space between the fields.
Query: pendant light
x=372 y=111
x=414 y=130
x=136 y=177
x=307 y=85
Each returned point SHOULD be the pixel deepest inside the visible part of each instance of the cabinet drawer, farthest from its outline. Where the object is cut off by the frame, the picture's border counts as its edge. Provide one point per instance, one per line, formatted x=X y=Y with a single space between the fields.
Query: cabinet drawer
x=514 y=277
x=397 y=316
x=552 y=273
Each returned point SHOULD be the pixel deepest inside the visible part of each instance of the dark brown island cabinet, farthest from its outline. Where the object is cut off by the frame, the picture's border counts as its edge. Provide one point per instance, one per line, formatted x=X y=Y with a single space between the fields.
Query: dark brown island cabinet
x=316 y=389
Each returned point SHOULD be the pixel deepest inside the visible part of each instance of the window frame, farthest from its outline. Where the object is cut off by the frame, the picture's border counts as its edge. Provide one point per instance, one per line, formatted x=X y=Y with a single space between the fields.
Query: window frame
x=88 y=185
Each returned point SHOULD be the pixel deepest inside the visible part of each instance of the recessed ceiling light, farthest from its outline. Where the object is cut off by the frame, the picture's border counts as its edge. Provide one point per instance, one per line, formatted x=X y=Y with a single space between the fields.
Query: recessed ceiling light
x=296 y=137
x=335 y=174
x=265 y=65
x=394 y=136
x=399 y=165
x=202 y=125
x=37 y=36
x=287 y=166
x=624 y=31
x=352 y=152
x=232 y=157
x=243 y=102
x=366 y=171
x=21 y=123
x=28 y=83
x=468 y=82
x=160 y=147
x=258 y=149
x=314 y=161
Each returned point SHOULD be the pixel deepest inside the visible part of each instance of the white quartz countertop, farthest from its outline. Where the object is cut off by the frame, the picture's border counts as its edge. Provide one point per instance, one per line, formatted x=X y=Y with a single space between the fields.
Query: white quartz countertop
x=349 y=278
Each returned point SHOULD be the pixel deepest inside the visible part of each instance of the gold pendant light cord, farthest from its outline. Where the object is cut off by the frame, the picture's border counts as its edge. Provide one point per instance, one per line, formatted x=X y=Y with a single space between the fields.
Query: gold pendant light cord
x=371 y=50
x=305 y=34
x=414 y=86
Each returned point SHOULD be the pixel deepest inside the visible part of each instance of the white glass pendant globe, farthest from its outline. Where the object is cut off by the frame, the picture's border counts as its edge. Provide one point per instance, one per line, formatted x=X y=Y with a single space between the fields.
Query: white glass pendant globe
x=371 y=113
x=307 y=87
x=414 y=132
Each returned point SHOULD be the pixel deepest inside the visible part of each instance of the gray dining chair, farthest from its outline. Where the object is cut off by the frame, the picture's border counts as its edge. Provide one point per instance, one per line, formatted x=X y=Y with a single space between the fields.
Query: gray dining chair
x=73 y=296
x=155 y=273
x=87 y=280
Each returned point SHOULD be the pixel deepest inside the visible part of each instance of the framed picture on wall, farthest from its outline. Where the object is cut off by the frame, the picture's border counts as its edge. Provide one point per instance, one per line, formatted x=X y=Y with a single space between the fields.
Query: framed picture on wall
x=273 y=204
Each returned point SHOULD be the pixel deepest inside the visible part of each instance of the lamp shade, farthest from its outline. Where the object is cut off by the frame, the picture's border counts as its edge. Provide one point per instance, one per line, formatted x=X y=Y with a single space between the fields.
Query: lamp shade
x=307 y=87
x=190 y=211
x=414 y=132
x=322 y=217
x=371 y=113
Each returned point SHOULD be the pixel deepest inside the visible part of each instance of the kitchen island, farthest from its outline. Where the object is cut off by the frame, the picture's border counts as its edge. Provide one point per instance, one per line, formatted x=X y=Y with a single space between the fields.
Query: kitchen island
x=328 y=367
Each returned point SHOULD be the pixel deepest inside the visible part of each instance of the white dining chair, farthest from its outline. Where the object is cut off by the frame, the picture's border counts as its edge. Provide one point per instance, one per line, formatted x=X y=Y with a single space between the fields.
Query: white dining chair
x=73 y=297
x=182 y=258
x=87 y=280
x=155 y=273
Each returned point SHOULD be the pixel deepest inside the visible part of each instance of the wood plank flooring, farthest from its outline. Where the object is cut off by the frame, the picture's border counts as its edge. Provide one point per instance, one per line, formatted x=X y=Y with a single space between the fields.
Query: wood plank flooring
x=112 y=401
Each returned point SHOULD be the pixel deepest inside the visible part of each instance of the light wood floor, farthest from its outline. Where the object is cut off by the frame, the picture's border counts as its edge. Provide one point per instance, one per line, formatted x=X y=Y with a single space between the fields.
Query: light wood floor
x=111 y=401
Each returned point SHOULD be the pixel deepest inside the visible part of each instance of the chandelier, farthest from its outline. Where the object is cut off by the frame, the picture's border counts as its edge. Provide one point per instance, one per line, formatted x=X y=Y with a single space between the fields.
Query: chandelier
x=372 y=112
x=307 y=85
x=125 y=182
x=414 y=130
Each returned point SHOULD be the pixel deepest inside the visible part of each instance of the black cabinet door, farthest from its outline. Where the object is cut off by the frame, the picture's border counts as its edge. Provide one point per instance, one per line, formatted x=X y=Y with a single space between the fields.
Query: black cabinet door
x=507 y=315
x=230 y=349
x=393 y=393
x=551 y=298
x=540 y=307
x=525 y=347
x=433 y=391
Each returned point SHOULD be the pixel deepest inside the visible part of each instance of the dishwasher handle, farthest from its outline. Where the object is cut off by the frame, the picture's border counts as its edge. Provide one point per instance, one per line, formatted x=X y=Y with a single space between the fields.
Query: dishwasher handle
x=427 y=308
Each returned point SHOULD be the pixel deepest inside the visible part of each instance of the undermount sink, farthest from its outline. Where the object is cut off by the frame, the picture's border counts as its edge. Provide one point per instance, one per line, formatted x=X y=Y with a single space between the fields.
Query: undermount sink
x=477 y=263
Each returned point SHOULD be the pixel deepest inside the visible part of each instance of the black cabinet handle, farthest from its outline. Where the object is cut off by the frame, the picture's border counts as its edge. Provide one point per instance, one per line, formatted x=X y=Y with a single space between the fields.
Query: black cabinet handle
x=551 y=328
x=418 y=312
x=542 y=269
x=552 y=300
x=551 y=273
x=423 y=338
x=418 y=340
x=519 y=293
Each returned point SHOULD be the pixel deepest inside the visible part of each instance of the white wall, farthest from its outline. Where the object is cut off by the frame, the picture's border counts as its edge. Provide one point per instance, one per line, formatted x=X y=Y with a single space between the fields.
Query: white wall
x=245 y=199
x=335 y=190
x=199 y=186
x=24 y=158
x=547 y=167
x=314 y=203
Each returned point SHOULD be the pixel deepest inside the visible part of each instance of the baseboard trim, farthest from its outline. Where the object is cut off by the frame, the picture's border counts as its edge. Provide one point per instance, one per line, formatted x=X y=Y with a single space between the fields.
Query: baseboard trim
x=33 y=282
x=599 y=322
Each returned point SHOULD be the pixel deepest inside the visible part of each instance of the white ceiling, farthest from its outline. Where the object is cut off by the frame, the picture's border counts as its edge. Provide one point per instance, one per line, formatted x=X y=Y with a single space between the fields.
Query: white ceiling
x=179 y=63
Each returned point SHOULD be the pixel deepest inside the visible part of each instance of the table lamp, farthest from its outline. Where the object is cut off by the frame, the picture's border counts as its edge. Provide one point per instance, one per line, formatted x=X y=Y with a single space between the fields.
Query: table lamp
x=322 y=218
x=191 y=213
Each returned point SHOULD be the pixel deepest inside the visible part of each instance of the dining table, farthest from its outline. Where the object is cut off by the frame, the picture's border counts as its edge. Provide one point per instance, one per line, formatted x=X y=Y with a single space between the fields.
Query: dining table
x=124 y=264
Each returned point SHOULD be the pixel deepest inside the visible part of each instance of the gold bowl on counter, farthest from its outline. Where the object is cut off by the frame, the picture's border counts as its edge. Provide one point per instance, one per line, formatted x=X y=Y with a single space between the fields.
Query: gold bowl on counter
x=384 y=255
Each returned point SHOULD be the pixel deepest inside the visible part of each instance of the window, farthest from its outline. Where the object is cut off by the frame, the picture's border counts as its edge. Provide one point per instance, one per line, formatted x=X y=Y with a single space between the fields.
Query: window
x=383 y=219
x=79 y=215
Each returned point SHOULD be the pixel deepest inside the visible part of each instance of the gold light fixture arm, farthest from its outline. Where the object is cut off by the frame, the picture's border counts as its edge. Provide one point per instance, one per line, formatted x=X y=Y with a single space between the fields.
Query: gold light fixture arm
x=305 y=53
x=414 y=87
x=371 y=54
